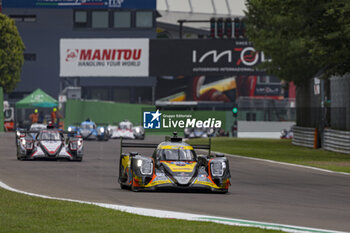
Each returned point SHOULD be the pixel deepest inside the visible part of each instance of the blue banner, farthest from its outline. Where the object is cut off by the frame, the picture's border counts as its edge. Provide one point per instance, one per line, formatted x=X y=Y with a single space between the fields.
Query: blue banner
x=123 y=4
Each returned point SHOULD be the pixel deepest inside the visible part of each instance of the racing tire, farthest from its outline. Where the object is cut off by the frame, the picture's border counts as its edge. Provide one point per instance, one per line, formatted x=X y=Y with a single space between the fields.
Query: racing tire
x=78 y=159
x=133 y=188
x=224 y=191
x=21 y=158
x=122 y=186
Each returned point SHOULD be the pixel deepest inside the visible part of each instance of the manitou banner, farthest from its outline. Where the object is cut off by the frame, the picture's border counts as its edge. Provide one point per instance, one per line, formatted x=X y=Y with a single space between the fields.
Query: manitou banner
x=192 y=57
x=104 y=57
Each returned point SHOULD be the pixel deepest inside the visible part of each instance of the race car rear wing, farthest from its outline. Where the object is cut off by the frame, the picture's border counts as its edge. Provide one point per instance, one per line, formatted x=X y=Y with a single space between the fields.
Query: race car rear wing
x=38 y=131
x=154 y=146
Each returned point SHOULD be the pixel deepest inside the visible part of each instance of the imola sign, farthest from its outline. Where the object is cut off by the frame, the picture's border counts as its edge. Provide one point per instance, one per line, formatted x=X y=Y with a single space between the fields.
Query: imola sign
x=204 y=57
x=213 y=54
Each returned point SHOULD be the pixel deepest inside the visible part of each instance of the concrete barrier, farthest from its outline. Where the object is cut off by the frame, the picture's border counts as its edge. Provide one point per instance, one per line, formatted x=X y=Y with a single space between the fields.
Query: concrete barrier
x=262 y=129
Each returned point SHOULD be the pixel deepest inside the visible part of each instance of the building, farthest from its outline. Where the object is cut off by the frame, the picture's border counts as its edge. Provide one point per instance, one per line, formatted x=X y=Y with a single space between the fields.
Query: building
x=43 y=23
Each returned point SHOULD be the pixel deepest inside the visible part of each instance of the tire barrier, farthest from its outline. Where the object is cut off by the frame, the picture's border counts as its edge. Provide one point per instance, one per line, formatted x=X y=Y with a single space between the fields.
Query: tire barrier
x=336 y=140
x=304 y=136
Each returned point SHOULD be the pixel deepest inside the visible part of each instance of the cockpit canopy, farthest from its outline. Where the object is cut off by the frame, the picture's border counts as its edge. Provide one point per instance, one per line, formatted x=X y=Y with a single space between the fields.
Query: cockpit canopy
x=125 y=125
x=49 y=136
x=87 y=126
x=176 y=153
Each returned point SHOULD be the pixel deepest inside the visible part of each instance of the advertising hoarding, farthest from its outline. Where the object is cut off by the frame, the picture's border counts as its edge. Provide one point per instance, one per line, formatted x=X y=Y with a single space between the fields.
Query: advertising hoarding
x=104 y=57
x=204 y=57
x=127 y=4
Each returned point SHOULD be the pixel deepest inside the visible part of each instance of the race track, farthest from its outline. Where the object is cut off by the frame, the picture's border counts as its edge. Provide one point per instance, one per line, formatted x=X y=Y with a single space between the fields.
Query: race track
x=260 y=190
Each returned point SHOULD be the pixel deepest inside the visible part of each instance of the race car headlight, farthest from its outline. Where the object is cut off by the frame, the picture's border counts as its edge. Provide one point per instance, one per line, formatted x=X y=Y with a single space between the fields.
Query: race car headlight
x=70 y=129
x=187 y=131
x=218 y=168
x=146 y=166
x=137 y=130
x=23 y=141
x=29 y=145
x=18 y=133
x=73 y=145
x=211 y=131
x=80 y=142
x=101 y=130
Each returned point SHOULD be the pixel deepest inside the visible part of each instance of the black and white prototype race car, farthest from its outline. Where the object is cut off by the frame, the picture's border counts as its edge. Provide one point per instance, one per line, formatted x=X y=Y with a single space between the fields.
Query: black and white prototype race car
x=126 y=130
x=49 y=144
x=173 y=165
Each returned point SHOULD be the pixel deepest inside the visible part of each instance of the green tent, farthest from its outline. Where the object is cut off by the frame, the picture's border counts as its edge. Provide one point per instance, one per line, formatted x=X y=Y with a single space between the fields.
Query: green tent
x=38 y=99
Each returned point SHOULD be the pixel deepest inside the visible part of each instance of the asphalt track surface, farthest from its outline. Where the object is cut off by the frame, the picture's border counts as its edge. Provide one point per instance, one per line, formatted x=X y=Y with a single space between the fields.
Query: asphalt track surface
x=260 y=191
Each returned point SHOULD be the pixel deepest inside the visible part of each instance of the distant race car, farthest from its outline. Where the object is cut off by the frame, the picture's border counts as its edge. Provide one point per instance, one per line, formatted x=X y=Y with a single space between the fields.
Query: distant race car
x=34 y=127
x=89 y=131
x=286 y=134
x=174 y=165
x=49 y=144
x=199 y=132
x=127 y=130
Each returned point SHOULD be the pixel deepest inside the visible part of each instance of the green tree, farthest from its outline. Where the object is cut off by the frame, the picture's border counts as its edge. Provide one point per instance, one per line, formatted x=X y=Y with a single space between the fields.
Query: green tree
x=301 y=36
x=11 y=54
x=331 y=44
x=279 y=28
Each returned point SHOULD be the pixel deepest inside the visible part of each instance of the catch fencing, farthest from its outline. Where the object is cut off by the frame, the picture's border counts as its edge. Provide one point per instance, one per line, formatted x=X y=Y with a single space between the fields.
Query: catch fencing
x=1 y=110
x=340 y=104
x=304 y=136
x=336 y=140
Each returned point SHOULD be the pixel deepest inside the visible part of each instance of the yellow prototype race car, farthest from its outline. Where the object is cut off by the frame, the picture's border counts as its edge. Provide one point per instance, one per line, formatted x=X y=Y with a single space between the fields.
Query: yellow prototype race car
x=173 y=165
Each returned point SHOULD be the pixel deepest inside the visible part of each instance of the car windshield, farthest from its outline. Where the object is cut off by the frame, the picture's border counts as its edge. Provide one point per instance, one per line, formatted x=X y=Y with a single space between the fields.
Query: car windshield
x=50 y=136
x=87 y=126
x=177 y=155
x=37 y=127
x=124 y=126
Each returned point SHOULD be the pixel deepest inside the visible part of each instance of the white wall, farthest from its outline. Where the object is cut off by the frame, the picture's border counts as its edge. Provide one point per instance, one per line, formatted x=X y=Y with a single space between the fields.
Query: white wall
x=262 y=129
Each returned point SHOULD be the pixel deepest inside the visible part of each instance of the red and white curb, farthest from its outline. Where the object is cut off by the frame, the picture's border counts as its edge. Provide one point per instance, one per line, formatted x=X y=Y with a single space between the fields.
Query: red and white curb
x=183 y=216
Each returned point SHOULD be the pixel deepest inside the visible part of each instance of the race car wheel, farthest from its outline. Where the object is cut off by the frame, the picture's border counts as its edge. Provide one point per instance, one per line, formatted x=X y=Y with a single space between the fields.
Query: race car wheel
x=133 y=188
x=122 y=186
x=19 y=157
x=224 y=191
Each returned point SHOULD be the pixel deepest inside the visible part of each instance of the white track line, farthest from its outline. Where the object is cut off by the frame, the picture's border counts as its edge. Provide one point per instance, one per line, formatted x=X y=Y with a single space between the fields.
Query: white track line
x=283 y=163
x=184 y=216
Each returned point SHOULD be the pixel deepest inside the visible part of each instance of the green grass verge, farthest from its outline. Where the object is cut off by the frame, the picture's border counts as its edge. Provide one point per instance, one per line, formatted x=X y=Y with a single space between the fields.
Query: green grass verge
x=280 y=150
x=22 y=213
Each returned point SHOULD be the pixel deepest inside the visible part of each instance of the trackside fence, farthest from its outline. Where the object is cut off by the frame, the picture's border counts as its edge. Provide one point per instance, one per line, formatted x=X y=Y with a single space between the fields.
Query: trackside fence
x=1 y=110
x=303 y=136
x=336 y=140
